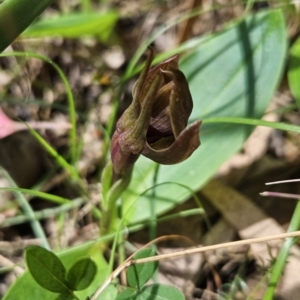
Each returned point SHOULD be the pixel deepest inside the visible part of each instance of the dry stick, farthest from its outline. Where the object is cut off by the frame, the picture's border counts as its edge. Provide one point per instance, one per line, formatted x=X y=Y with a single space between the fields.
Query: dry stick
x=281 y=195
x=128 y=262
x=282 y=181
x=187 y=26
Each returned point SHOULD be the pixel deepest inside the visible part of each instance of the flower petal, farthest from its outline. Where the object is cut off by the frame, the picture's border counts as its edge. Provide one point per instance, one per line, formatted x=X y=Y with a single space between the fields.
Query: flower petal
x=138 y=87
x=133 y=138
x=183 y=147
x=171 y=63
x=160 y=124
x=181 y=103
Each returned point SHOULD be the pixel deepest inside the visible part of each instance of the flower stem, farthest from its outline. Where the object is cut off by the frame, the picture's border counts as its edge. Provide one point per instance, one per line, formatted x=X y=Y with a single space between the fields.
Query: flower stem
x=111 y=192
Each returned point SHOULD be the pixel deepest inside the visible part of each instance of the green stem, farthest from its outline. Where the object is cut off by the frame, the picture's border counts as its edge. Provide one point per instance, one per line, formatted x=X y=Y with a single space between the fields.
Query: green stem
x=277 y=269
x=111 y=192
x=43 y=195
x=43 y=214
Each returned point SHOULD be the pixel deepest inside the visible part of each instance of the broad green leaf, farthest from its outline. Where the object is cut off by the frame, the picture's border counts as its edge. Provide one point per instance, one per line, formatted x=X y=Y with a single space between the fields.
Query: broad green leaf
x=160 y=292
x=75 y=25
x=294 y=70
x=65 y=297
x=153 y=292
x=139 y=274
x=95 y=253
x=47 y=269
x=16 y=16
x=26 y=287
x=109 y=293
x=81 y=274
x=127 y=294
x=233 y=73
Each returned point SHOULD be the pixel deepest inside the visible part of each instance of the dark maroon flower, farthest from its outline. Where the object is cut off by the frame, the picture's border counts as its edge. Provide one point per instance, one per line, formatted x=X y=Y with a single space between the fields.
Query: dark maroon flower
x=155 y=124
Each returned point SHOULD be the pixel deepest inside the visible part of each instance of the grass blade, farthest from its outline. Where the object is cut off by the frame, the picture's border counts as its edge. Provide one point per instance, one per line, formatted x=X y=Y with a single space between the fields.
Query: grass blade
x=28 y=211
x=254 y=122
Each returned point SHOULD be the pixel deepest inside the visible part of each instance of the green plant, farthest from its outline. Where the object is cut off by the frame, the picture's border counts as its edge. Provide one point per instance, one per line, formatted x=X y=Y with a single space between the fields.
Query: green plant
x=75 y=25
x=237 y=95
x=49 y=272
x=138 y=275
x=245 y=87
x=16 y=16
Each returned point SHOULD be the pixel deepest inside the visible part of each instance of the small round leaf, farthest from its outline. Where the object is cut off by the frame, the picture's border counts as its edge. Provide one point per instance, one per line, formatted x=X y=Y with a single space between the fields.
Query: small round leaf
x=65 y=297
x=128 y=294
x=81 y=274
x=139 y=274
x=46 y=268
x=160 y=292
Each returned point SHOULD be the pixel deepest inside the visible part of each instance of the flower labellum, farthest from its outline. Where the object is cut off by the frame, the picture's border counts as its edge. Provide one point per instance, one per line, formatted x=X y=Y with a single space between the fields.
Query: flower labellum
x=155 y=124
